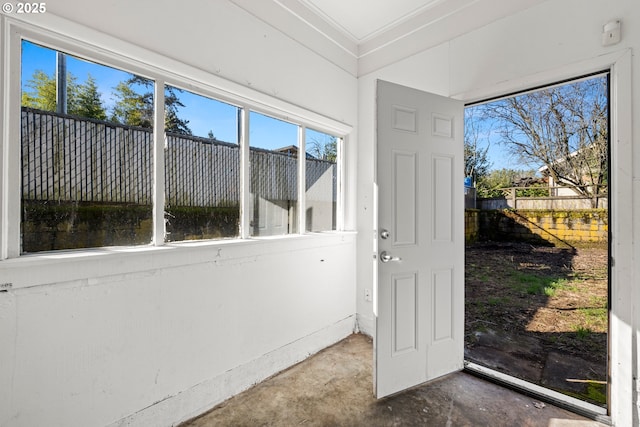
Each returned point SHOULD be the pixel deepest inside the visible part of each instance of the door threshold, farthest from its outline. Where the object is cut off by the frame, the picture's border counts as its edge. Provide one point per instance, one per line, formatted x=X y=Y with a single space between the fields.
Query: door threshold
x=572 y=404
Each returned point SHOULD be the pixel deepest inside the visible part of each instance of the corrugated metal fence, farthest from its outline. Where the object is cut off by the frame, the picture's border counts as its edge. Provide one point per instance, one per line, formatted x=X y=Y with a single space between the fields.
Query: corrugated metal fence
x=65 y=158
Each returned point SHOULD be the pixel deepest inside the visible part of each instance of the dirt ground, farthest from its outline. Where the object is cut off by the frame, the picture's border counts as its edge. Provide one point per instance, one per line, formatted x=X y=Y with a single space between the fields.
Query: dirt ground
x=529 y=305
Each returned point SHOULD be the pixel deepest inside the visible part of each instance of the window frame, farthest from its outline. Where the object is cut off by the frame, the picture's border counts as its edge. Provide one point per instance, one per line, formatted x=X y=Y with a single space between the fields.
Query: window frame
x=162 y=71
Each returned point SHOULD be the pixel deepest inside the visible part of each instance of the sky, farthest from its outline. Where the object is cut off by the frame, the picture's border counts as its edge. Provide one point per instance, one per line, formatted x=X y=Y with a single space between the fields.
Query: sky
x=204 y=114
x=498 y=156
x=585 y=93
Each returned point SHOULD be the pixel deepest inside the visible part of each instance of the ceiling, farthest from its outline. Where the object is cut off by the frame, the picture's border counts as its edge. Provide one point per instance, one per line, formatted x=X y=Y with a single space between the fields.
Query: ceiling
x=364 y=19
x=364 y=35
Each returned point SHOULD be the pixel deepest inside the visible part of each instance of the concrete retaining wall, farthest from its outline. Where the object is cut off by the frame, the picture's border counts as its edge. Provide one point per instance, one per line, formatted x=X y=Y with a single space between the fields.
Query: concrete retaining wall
x=471 y=225
x=570 y=226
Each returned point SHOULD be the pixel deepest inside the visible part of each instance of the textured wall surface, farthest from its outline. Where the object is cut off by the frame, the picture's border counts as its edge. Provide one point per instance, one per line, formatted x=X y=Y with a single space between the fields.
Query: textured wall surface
x=588 y=226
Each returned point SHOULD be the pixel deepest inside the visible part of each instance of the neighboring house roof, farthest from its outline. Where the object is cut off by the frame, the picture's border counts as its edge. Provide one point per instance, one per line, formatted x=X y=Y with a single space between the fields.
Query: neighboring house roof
x=530 y=181
x=292 y=150
x=544 y=170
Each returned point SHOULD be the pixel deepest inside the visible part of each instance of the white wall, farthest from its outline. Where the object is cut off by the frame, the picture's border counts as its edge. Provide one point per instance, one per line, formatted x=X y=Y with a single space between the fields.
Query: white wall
x=102 y=339
x=536 y=46
x=152 y=336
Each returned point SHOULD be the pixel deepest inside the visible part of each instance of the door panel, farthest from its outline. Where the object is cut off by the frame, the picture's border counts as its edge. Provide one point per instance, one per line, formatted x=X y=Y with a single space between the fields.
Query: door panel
x=443 y=306
x=420 y=264
x=443 y=198
x=405 y=185
x=404 y=317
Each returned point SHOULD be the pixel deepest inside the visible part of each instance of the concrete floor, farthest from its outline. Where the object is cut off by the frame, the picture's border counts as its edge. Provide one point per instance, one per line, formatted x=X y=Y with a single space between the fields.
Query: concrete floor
x=334 y=388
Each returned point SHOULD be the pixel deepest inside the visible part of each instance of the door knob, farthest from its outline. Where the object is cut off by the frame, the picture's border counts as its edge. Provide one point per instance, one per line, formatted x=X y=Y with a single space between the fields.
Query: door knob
x=385 y=257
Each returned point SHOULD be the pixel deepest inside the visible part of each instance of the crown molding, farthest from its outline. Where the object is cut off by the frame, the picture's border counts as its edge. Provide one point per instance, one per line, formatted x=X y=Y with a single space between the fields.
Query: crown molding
x=432 y=28
x=297 y=21
x=424 y=28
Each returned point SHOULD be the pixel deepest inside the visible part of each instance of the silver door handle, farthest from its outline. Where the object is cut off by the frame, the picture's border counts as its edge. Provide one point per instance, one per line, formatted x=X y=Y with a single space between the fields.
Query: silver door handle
x=385 y=257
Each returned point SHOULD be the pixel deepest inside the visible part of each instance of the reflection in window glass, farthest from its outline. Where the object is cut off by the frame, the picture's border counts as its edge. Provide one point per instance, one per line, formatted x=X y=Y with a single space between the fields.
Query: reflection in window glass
x=87 y=148
x=321 y=176
x=274 y=176
x=202 y=167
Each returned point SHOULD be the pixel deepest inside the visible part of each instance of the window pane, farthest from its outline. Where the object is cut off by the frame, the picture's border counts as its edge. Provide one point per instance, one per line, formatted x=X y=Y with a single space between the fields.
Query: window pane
x=321 y=176
x=274 y=176
x=86 y=156
x=202 y=167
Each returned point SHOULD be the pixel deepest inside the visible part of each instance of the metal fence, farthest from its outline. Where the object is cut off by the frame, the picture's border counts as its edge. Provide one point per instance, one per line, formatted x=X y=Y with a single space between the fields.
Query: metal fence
x=201 y=172
x=70 y=159
x=66 y=158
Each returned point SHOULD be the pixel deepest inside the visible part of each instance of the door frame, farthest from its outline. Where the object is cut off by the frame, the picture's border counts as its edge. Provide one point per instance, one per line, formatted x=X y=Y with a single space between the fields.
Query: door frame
x=622 y=293
x=566 y=401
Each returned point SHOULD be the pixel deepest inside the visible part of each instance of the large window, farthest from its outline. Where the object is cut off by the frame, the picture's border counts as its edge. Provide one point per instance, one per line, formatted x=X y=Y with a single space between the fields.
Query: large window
x=274 y=176
x=321 y=191
x=87 y=161
x=86 y=158
x=202 y=167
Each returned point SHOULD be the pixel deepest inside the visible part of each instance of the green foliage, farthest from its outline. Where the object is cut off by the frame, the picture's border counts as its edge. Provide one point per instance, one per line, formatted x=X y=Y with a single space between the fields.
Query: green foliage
x=323 y=149
x=83 y=99
x=42 y=93
x=537 y=190
x=134 y=106
x=495 y=301
x=476 y=161
x=533 y=284
x=172 y=122
x=88 y=102
x=497 y=182
x=582 y=333
x=597 y=392
x=131 y=108
x=527 y=282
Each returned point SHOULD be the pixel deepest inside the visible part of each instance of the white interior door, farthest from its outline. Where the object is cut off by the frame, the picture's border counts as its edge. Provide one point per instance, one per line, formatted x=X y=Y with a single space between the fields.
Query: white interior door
x=420 y=243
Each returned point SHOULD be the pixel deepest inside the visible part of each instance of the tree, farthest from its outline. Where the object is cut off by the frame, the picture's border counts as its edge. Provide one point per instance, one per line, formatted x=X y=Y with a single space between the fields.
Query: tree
x=131 y=108
x=563 y=128
x=323 y=148
x=43 y=92
x=82 y=99
x=496 y=182
x=88 y=101
x=172 y=122
x=476 y=162
x=136 y=109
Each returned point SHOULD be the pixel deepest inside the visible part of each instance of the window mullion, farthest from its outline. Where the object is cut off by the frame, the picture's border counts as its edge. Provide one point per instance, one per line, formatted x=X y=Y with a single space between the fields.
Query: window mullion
x=340 y=190
x=158 y=164
x=245 y=174
x=11 y=192
x=302 y=187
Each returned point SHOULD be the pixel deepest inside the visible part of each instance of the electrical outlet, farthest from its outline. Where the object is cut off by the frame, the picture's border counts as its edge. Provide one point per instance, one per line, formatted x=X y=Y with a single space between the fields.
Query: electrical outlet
x=367 y=294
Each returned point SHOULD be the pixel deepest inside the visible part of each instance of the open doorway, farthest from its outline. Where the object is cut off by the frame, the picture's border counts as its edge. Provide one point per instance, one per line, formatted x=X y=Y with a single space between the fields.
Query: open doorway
x=537 y=255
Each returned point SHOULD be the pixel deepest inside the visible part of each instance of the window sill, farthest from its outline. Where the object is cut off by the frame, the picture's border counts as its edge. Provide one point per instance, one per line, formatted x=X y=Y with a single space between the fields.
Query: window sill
x=47 y=268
